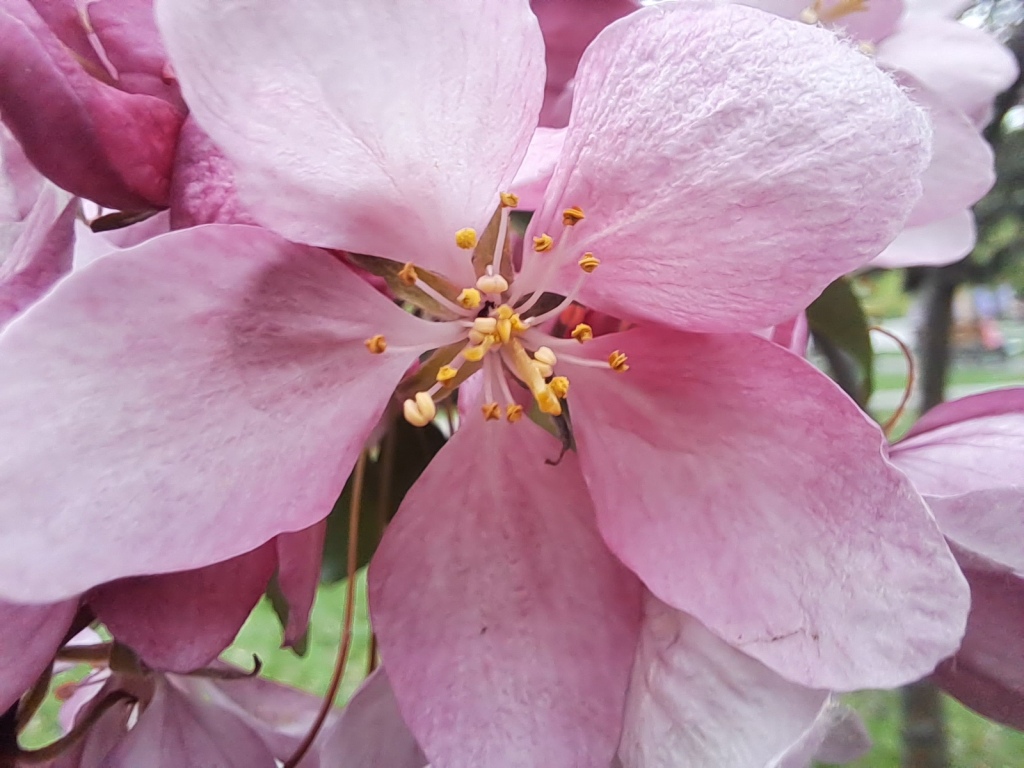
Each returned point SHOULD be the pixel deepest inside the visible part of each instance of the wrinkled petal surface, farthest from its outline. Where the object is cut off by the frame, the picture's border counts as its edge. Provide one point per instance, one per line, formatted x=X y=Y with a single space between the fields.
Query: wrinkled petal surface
x=931 y=245
x=725 y=181
x=746 y=489
x=518 y=602
x=29 y=637
x=695 y=700
x=381 y=128
x=229 y=409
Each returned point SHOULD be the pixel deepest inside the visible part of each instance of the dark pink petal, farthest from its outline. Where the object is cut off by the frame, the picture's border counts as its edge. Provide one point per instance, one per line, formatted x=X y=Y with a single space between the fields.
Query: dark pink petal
x=695 y=700
x=967 y=67
x=370 y=732
x=178 y=622
x=214 y=392
x=380 y=128
x=203 y=185
x=92 y=139
x=177 y=730
x=298 y=575
x=725 y=181
x=987 y=672
x=792 y=334
x=746 y=489
x=931 y=245
x=100 y=740
x=875 y=21
x=837 y=736
x=506 y=626
x=29 y=637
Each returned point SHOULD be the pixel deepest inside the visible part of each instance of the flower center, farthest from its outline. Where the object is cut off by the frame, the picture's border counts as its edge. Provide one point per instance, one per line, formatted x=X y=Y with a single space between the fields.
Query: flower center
x=500 y=321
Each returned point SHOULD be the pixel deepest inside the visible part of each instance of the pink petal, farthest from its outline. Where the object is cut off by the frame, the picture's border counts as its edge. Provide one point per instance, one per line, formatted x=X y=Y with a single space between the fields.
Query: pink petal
x=179 y=622
x=931 y=245
x=100 y=739
x=29 y=637
x=966 y=67
x=792 y=334
x=358 y=125
x=876 y=21
x=92 y=139
x=746 y=489
x=501 y=605
x=725 y=181
x=177 y=730
x=215 y=392
x=370 y=732
x=298 y=575
x=987 y=672
x=695 y=700
x=988 y=522
x=837 y=736
x=20 y=182
x=533 y=176
x=962 y=168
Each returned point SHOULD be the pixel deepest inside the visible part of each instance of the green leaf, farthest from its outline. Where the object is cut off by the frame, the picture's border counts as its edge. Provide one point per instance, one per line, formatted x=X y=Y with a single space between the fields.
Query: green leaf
x=840 y=328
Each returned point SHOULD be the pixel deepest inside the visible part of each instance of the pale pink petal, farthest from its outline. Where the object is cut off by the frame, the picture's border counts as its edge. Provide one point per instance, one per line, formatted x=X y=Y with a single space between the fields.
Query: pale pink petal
x=966 y=67
x=178 y=622
x=746 y=489
x=89 y=137
x=531 y=181
x=987 y=672
x=29 y=637
x=214 y=391
x=837 y=736
x=876 y=21
x=20 y=182
x=949 y=9
x=988 y=522
x=931 y=245
x=517 y=647
x=381 y=128
x=177 y=730
x=298 y=575
x=726 y=181
x=100 y=739
x=695 y=700
x=962 y=168
x=370 y=732
x=792 y=334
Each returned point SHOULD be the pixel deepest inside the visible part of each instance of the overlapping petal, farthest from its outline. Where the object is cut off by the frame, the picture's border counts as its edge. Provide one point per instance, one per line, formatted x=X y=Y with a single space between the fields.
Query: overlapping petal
x=202 y=393
x=299 y=555
x=381 y=128
x=931 y=245
x=695 y=700
x=746 y=489
x=873 y=21
x=29 y=637
x=517 y=648
x=726 y=181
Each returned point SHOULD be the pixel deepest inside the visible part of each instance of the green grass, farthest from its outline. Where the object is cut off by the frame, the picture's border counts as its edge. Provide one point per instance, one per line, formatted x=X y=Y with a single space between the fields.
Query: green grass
x=958 y=377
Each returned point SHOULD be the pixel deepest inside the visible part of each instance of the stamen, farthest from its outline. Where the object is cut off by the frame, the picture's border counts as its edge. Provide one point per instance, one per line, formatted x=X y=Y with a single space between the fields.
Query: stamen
x=560 y=386
x=499 y=244
x=419 y=411
x=571 y=216
x=495 y=284
x=556 y=311
x=446 y=373
x=407 y=274
x=491 y=411
x=582 y=333
x=509 y=199
x=469 y=298
x=545 y=355
x=543 y=243
x=376 y=344
x=589 y=262
x=466 y=238
x=513 y=412
x=523 y=366
x=617 y=361
x=476 y=354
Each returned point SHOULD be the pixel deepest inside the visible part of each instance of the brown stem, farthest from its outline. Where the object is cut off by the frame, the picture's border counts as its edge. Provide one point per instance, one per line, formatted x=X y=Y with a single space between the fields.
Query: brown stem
x=908 y=387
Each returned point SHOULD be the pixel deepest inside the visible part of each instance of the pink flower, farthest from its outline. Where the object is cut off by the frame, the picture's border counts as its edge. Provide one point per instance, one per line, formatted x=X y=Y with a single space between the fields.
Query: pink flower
x=716 y=189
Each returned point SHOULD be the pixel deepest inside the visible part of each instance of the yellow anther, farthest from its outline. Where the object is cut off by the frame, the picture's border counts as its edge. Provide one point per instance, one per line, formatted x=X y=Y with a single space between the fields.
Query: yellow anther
x=420 y=410
x=545 y=355
x=525 y=367
x=376 y=344
x=505 y=312
x=492 y=284
x=491 y=411
x=485 y=325
x=509 y=199
x=513 y=413
x=468 y=298
x=560 y=386
x=504 y=330
x=466 y=238
x=572 y=215
x=617 y=361
x=407 y=274
x=446 y=373
x=589 y=262
x=518 y=324
x=582 y=332
x=543 y=243
x=476 y=354
x=548 y=402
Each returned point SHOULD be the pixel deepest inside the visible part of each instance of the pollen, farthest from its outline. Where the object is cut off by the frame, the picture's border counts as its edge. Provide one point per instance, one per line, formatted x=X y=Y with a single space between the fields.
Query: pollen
x=376 y=344
x=570 y=216
x=617 y=361
x=408 y=275
x=560 y=386
x=446 y=373
x=466 y=238
x=420 y=410
x=513 y=413
x=469 y=298
x=492 y=284
x=509 y=200
x=491 y=411
x=543 y=243
x=582 y=333
x=589 y=262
